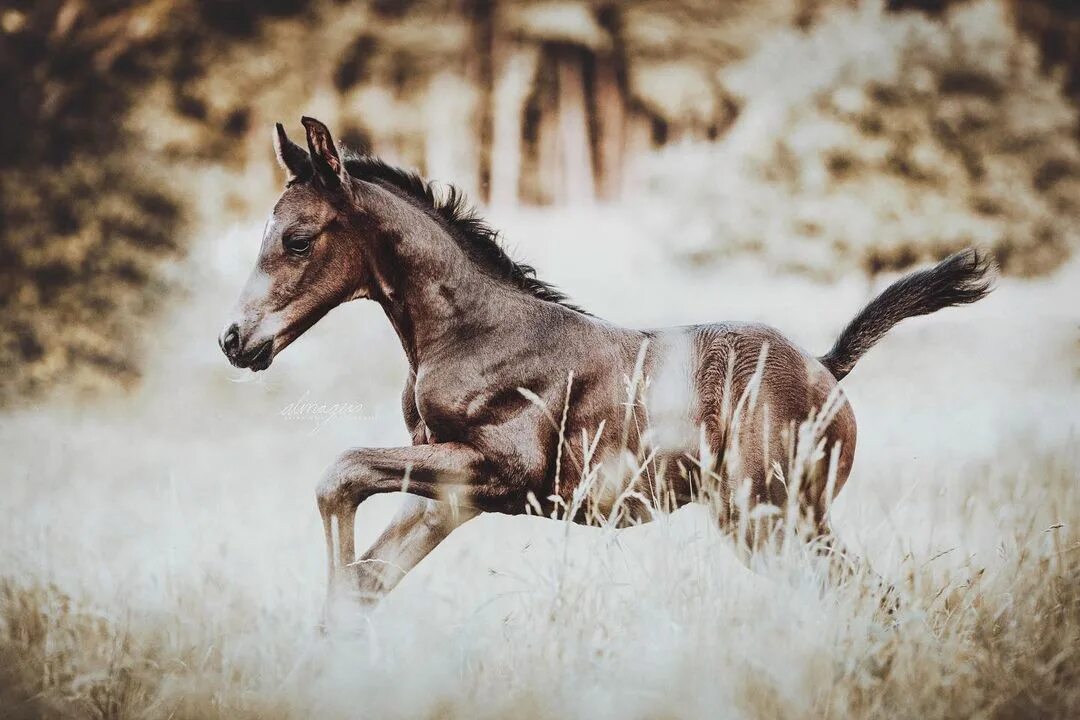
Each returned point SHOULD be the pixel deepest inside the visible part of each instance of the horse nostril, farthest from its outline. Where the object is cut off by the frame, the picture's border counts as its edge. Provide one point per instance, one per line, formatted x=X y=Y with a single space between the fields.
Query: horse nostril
x=230 y=341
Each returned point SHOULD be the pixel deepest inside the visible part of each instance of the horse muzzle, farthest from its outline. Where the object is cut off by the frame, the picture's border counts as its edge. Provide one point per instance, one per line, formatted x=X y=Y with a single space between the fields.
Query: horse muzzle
x=243 y=353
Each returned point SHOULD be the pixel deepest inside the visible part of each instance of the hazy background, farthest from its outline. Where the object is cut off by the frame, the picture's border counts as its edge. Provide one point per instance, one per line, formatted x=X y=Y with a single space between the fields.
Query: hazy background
x=661 y=162
x=829 y=139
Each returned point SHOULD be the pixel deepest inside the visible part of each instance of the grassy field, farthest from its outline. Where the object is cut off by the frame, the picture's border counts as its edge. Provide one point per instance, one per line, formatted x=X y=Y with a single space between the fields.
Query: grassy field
x=161 y=555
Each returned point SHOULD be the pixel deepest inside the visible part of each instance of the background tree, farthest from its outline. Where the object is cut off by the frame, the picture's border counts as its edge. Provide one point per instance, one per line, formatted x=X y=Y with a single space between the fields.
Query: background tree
x=130 y=123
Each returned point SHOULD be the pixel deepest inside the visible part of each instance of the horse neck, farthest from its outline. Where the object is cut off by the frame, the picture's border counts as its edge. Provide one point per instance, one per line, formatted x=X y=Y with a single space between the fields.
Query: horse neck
x=434 y=294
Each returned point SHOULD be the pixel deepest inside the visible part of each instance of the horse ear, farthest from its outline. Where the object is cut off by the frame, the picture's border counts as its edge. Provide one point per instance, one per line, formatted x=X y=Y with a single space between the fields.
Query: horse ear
x=292 y=158
x=324 y=154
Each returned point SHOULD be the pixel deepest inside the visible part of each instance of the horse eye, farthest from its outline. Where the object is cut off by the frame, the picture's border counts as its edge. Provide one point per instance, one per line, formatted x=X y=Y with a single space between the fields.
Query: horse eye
x=297 y=244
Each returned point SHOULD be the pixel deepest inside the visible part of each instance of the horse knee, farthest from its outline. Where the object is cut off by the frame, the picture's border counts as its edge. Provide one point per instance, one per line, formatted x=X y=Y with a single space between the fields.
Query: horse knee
x=341 y=486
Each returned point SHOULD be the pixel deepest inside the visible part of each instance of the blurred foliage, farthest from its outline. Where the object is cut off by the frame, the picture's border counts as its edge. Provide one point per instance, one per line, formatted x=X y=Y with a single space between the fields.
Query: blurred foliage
x=1053 y=24
x=87 y=211
x=873 y=139
x=883 y=140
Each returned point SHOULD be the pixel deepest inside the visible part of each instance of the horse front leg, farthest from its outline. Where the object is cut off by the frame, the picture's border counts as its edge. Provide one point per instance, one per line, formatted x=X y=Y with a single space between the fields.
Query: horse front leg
x=455 y=475
x=417 y=529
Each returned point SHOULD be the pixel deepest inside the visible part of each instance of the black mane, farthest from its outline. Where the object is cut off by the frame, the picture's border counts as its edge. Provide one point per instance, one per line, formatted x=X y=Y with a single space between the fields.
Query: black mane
x=479 y=240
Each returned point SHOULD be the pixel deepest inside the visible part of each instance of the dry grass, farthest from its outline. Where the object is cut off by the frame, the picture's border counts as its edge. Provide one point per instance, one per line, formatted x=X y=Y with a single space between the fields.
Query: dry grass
x=657 y=621
x=161 y=556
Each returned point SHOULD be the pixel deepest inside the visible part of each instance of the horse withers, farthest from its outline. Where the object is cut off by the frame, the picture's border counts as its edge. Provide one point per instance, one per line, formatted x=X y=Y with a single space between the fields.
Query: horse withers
x=516 y=398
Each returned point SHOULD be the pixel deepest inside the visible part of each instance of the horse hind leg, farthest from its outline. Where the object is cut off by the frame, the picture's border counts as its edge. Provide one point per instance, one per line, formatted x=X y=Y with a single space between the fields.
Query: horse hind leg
x=763 y=513
x=846 y=566
x=824 y=480
x=843 y=566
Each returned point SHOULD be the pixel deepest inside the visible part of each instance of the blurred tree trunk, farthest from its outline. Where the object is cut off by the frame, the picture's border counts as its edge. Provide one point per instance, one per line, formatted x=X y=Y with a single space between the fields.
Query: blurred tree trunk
x=574 y=150
x=545 y=151
x=611 y=128
x=610 y=90
x=480 y=69
x=639 y=143
x=512 y=86
x=450 y=155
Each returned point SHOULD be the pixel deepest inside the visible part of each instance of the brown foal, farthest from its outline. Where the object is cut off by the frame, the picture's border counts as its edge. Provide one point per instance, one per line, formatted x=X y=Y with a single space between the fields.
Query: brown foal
x=515 y=397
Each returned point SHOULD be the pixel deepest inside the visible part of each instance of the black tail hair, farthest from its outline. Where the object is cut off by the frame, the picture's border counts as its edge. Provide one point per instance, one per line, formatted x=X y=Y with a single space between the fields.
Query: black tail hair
x=959 y=279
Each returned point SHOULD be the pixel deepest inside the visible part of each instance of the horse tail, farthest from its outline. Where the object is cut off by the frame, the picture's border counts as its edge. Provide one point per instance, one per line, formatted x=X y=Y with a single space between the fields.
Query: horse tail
x=959 y=279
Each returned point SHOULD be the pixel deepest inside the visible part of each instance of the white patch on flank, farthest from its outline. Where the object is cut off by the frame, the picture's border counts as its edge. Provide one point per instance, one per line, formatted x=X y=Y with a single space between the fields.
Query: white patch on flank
x=670 y=395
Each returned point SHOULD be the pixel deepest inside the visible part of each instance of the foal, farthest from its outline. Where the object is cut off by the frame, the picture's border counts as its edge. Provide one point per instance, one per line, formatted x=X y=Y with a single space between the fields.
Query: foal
x=514 y=395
